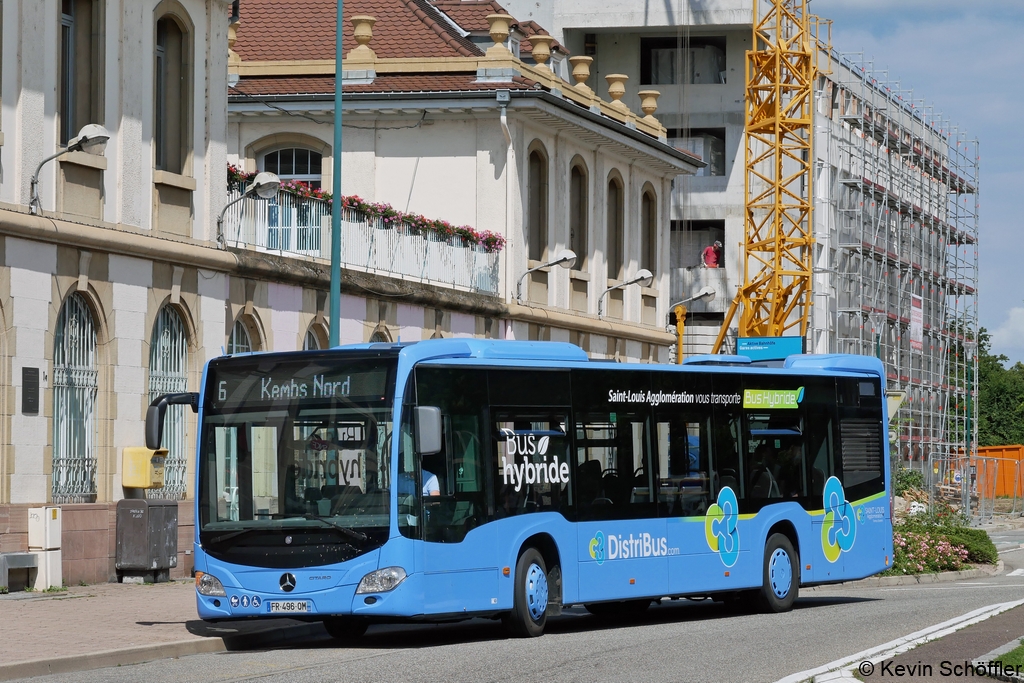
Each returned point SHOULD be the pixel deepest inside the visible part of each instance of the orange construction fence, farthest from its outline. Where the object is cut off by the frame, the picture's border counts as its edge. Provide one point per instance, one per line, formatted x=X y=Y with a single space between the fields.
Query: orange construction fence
x=1010 y=477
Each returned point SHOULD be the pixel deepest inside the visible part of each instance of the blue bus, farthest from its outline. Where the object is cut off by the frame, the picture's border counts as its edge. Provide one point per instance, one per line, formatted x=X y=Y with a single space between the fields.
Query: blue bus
x=451 y=479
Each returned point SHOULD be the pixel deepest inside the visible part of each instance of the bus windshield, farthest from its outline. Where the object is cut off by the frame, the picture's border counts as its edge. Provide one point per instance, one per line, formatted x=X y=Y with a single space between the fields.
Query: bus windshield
x=294 y=456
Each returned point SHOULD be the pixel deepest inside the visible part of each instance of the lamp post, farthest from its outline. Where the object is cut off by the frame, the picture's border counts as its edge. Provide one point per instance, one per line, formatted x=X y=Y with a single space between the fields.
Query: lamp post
x=334 y=314
x=876 y=318
x=92 y=139
x=265 y=185
x=566 y=258
x=643 y=278
x=705 y=294
x=970 y=346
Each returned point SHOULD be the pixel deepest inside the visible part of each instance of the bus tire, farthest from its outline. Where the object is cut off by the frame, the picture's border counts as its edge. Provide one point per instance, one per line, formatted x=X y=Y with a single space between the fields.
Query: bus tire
x=530 y=596
x=781 y=578
x=345 y=628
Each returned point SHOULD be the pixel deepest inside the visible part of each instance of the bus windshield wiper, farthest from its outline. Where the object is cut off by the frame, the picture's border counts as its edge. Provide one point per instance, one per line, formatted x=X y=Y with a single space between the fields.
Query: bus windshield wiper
x=351 y=533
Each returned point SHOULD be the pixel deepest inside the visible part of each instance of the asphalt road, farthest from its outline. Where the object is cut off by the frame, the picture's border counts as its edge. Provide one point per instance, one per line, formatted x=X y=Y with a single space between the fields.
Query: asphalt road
x=675 y=641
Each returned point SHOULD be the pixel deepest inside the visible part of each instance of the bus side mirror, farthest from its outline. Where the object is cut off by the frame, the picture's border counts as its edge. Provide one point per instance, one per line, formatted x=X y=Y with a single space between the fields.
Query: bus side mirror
x=158 y=410
x=427 y=423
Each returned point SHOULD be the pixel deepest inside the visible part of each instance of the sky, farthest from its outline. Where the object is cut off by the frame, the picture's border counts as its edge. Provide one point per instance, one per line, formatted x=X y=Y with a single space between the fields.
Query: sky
x=967 y=59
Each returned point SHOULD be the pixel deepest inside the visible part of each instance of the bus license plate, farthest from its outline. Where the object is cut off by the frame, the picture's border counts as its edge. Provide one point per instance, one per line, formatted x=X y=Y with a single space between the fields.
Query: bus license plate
x=288 y=606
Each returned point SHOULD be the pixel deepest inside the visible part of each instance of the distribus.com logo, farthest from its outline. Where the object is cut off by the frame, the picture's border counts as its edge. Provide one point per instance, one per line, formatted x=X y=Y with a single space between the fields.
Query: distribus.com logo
x=618 y=547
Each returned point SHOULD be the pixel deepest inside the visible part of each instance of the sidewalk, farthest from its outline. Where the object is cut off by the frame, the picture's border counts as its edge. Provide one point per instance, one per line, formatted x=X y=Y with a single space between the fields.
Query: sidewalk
x=89 y=627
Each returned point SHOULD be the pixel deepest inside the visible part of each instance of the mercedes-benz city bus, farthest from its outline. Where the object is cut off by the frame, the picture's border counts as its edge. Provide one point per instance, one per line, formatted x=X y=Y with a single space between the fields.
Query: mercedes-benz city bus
x=451 y=479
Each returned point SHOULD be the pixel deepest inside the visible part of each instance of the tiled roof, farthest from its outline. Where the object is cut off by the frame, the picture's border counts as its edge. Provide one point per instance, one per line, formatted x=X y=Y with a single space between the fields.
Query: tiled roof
x=383 y=83
x=304 y=29
x=471 y=15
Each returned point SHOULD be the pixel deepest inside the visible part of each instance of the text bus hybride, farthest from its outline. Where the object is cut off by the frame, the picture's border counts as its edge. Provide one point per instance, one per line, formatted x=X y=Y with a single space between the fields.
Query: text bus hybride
x=456 y=478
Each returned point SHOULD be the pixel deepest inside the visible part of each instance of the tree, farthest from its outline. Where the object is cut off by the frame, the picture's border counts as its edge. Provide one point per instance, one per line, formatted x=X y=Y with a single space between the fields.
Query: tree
x=1000 y=396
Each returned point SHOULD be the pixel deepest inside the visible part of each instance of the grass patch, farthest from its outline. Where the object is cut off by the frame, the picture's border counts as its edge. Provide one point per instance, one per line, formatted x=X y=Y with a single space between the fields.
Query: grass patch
x=1013 y=657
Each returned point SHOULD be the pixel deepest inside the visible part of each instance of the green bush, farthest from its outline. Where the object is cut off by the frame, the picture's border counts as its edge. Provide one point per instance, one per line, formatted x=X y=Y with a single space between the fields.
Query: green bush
x=980 y=548
x=904 y=479
x=938 y=541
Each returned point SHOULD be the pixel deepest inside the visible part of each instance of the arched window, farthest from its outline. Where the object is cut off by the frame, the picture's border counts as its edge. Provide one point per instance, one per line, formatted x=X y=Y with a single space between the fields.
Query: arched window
x=616 y=246
x=172 y=89
x=537 y=198
x=242 y=338
x=649 y=231
x=310 y=343
x=579 y=212
x=81 y=51
x=168 y=374
x=295 y=163
x=74 y=403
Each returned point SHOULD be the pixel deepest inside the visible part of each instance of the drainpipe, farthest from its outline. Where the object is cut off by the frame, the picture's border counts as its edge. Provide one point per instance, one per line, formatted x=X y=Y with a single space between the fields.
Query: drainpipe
x=504 y=97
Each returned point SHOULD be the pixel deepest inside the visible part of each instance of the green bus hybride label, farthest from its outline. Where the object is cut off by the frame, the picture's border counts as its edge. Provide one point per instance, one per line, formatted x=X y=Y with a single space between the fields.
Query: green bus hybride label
x=772 y=398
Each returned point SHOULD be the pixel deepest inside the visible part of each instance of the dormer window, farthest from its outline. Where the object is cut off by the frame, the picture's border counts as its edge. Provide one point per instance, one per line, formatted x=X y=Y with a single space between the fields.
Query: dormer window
x=513 y=45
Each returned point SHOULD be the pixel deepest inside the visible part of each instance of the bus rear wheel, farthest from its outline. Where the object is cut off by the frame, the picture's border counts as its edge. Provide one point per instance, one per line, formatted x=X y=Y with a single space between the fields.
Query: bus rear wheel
x=530 y=597
x=781 y=579
x=345 y=628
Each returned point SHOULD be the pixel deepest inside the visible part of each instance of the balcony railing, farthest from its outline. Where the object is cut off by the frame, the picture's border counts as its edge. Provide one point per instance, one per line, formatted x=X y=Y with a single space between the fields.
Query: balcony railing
x=686 y=282
x=298 y=226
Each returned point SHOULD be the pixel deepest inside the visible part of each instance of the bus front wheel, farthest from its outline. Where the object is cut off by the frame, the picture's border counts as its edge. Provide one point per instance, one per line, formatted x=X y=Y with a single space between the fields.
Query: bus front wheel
x=781 y=580
x=345 y=628
x=530 y=598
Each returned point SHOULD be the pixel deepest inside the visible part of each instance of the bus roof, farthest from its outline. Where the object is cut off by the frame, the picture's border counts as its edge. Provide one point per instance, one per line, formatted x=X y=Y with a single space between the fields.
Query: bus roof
x=501 y=350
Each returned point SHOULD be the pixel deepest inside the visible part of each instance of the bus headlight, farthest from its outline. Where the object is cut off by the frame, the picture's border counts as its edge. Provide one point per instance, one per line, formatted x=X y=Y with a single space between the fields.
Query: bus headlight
x=208 y=584
x=382 y=580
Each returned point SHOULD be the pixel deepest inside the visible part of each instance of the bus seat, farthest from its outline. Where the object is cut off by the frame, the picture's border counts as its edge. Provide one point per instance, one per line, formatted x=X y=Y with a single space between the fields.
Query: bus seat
x=312 y=494
x=589 y=481
x=728 y=480
x=765 y=486
x=817 y=482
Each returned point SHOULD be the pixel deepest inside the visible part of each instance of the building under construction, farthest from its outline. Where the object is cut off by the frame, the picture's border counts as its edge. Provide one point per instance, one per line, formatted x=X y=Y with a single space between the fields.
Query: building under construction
x=895 y=257
x=892 y=190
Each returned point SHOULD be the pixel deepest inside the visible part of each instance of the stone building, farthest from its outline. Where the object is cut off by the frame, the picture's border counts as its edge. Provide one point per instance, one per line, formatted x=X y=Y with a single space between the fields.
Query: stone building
x=117 y=285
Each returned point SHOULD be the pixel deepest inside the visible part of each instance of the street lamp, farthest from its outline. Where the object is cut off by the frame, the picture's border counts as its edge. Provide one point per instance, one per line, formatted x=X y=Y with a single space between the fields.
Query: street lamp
x=970 y=346
x=643 y=278
x=92 y=139
x=876 y=318
x=706 y=294
x=566 y=258
x=265 y=185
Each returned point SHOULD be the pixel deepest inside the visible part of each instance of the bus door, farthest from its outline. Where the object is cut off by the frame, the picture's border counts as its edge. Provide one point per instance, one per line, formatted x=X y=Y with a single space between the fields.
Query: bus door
x=458 y=555
x=681 y=434
x=621 y=541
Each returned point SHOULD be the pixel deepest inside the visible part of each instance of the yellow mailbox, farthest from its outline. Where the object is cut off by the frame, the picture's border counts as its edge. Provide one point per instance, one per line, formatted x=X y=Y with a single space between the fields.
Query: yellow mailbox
x=142 y=468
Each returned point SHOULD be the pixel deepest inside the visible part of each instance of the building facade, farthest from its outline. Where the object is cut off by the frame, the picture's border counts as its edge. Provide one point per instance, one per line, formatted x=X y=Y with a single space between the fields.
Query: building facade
x=120 y=282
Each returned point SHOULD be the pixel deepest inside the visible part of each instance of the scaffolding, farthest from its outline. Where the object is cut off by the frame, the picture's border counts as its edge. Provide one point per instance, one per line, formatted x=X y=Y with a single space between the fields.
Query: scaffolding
x=896 y=257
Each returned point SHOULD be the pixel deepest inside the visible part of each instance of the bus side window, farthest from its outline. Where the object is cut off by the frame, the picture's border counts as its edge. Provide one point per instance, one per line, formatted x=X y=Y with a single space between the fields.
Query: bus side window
x=683 y=467
x=729 y=469
x=532 y=469
x=613 y=471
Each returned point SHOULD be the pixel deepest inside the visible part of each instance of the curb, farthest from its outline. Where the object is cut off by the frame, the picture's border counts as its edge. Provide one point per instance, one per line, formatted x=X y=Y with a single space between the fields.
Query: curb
x=148 y=653
x=916 y=579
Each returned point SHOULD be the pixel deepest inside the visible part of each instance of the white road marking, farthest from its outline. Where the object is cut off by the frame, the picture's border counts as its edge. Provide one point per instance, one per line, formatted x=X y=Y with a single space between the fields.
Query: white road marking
x=1016 y=572
x=908 y=642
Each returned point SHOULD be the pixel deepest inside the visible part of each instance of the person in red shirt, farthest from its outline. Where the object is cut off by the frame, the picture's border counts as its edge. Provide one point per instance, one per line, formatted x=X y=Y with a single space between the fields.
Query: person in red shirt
x=712 y=255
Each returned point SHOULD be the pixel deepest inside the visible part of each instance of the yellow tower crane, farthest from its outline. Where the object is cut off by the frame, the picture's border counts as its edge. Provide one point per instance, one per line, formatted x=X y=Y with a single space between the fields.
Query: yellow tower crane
x=775 y=297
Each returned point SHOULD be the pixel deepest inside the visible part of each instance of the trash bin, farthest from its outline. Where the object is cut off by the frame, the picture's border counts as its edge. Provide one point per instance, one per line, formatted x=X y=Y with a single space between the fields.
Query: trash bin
x=147 y=540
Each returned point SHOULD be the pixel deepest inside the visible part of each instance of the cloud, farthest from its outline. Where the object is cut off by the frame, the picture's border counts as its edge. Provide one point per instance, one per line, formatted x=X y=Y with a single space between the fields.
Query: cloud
x=966 y=60
x=1008 y=338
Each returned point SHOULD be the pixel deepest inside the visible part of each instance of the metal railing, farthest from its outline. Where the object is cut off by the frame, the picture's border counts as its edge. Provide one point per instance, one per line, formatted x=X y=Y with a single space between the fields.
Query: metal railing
x=981 y=487
x=292 y=225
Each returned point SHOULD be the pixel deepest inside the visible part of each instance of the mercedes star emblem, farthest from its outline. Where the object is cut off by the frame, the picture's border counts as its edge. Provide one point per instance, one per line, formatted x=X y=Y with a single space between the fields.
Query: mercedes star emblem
x=288 y=582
